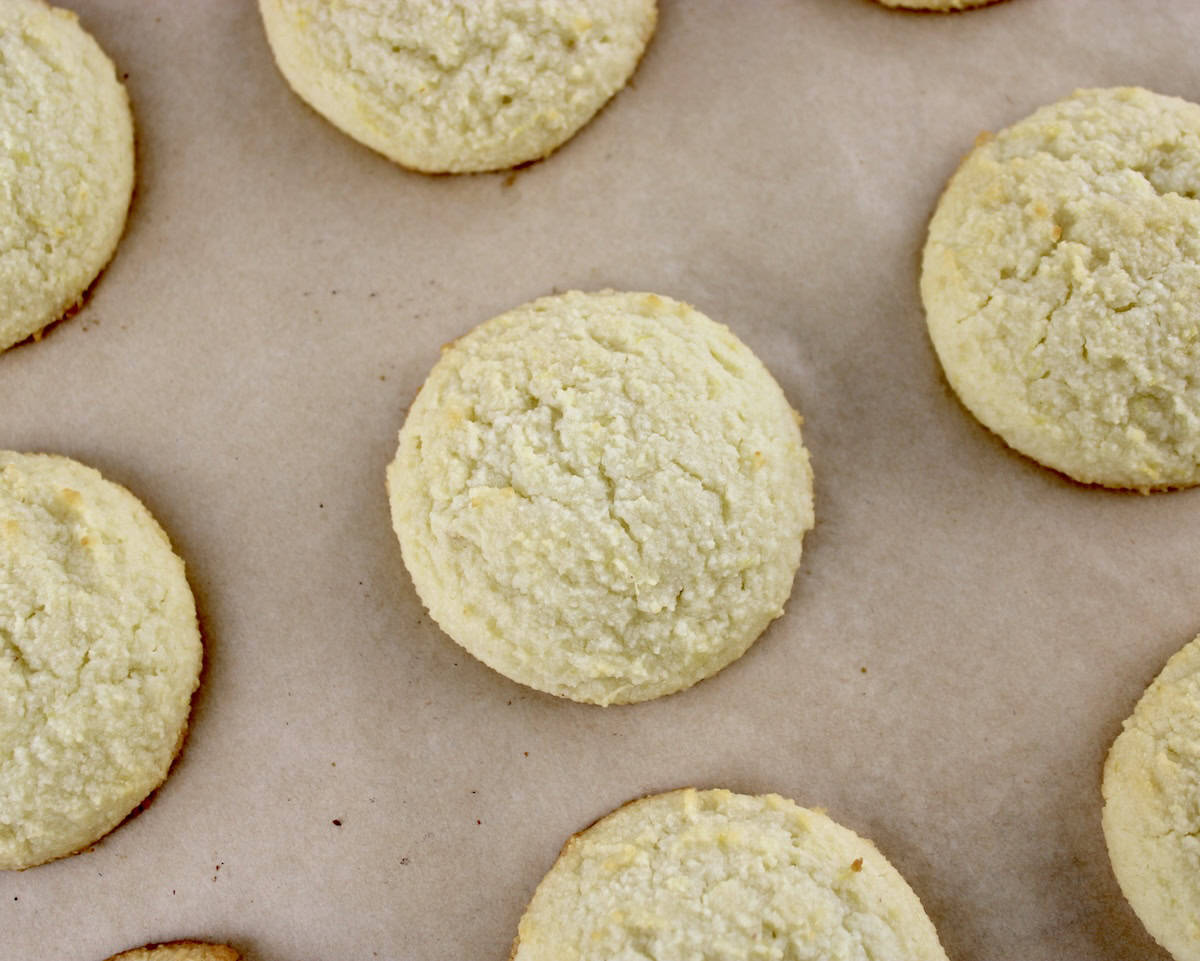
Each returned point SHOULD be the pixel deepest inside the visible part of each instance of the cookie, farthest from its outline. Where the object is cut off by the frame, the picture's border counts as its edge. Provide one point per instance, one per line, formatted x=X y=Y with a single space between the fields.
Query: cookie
x=602 y=495
x=1061 y=281
x=710 y=875
x=460 y=86
x=1152 y=806
x=937 y=6
x=180 y=951
x=99 y=656
x=66 y=166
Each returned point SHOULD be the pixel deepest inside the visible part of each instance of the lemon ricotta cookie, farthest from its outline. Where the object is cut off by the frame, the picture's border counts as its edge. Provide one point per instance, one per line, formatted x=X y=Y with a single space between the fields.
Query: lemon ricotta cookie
x=938 y=6
x=710 y=875
x=1152 y=806
x=99 y=656
x=1061 y=282
x=66 y=165
x=455 y=87
x=602 y=495
x=180 y=951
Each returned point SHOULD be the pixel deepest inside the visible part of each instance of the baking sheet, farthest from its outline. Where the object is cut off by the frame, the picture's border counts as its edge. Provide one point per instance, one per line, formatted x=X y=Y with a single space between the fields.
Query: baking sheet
x=965 y=635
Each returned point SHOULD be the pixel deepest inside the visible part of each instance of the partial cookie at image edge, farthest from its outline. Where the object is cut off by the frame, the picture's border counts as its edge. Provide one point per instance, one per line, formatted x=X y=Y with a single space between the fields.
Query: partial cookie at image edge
x=649 y=865
x=100 y=655
x=1151 y=792
x=937 y=6
x=1060 y=277
x=68 y=167
x=417 y=97
x=179 y=951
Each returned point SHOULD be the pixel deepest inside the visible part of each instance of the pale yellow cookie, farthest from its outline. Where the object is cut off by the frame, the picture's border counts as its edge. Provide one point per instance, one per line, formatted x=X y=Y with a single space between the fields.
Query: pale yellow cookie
x=1061 y=282
x=1152 y=806
x=99 y=655
x=458 y=86
x=939 y=6
x=602 y=495
x=180 y=951
x=712 y=876
x=66 y=165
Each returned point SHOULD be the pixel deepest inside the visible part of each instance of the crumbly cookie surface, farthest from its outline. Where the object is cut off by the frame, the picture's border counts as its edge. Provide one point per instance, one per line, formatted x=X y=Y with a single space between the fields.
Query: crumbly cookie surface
x=458 y=87
x=180 y=951
x=710 y=875
x=602 y=496
x=66 y=167
x=1061 y=281
x=1152 y=806
x=99 y=656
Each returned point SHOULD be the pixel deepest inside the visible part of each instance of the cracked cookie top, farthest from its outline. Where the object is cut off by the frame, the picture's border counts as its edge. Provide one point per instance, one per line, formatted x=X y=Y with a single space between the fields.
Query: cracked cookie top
x=602 y=495
x=458 y=87
x=99 y=656
x=1152 y=806
x=711 y=875
x=1061 y=282
x=66 y=165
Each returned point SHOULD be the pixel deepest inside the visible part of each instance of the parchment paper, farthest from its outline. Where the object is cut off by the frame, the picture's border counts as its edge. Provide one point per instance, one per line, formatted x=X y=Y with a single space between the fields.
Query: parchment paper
x=966 y=633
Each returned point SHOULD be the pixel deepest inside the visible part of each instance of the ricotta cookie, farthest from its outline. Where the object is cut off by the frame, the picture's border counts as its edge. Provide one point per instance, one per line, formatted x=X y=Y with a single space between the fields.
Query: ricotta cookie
x=460 y=86
x=1061 y=282
x=180 y=951
x=938 y=6
x=710 y=875
x=602 y=495
x=1152 y=806
x=66 y=165
x=99 y=655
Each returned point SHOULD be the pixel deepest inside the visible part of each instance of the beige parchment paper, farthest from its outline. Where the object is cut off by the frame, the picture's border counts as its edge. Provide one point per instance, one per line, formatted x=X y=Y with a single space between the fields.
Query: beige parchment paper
x=965 y=635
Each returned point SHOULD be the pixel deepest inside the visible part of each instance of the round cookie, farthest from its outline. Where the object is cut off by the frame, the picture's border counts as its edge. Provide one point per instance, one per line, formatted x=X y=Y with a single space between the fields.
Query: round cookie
x=458 y=87
x=180 y=951
x=709 y=875
x=1061 y=281
x=66 y=168
x=99 y=656
x=602 y=495
x=1152 y=806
